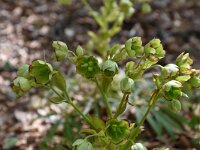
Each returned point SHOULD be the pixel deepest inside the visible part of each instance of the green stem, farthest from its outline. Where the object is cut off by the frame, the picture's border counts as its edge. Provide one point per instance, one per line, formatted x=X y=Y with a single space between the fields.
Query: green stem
x=136 y=130
x=105 y=99
x=88 y=6
x=69 y=101
x=122 y=106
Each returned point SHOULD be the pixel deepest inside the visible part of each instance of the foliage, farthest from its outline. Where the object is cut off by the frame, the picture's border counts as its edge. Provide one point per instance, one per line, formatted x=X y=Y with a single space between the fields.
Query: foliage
x=113 y=133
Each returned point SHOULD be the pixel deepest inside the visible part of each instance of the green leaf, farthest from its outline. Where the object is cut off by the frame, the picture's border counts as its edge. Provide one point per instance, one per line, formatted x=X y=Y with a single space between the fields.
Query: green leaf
x=56 y=100
x=51 y=132
x=59 y=81
x=154 y=125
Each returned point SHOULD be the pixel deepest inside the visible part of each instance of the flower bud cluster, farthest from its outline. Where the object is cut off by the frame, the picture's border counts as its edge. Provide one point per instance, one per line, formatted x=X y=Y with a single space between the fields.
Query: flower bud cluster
x=134 y=47
x=154 y=50
x=126 y=6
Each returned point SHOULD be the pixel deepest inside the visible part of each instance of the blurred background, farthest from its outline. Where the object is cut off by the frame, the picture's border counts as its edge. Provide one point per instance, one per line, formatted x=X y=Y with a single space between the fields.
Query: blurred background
x=27 y=29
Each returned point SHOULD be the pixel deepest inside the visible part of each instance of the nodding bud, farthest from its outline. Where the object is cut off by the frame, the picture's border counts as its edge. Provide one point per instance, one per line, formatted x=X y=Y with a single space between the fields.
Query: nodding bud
x=79 y=51
x=61 y=50
x=21 y=85
x=175 y=105
x=169 y=71
x=172 y=90
x=109 y=68
x=41 y=71
x=154 y=50
x=117 y=130
x=134 y=47
x=87 y=66
x=138 y=146
x=127 y=85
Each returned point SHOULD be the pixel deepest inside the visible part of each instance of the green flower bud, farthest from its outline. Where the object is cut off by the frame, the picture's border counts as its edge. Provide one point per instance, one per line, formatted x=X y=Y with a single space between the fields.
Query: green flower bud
x=134 y=47
x=138 y=146
x=127 y=85
x=61 y=50
x=146 y=8
x=117 y=130
x=109 y=68
x=194 y=81
x=126 y=7
x=170 y=70
x=87 y=66
x=172 y=90
x=129 y=67
x=154 y=50
x=79 y=51
x=175 y=105
x=23 y=71
x=41 y=71
x=21 y=85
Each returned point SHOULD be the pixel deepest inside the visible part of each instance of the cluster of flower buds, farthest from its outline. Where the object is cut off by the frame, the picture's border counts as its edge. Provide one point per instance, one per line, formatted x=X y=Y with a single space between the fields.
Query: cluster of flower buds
x=154 y=50
x=134 y=47
x=126 y=6
x=117 y=130
x=39 y=72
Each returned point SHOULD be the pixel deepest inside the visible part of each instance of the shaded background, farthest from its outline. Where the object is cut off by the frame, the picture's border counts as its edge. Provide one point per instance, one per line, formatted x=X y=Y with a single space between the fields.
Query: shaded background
x=27 y=29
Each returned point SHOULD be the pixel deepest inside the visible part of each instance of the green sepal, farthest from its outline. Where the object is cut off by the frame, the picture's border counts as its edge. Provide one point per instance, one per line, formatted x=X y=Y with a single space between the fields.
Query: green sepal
x=21 y=85
x=23 y=71
x=41 y=71
x=175 y=105
x=58 y=80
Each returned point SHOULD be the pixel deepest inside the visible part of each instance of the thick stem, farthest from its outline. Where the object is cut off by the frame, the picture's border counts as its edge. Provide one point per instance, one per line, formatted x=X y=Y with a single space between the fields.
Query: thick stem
x=136 y=130
x=105 y=99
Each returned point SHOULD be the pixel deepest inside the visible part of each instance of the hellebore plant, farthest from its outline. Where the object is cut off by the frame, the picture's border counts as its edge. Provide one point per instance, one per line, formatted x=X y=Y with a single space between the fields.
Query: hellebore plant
x=115 y=133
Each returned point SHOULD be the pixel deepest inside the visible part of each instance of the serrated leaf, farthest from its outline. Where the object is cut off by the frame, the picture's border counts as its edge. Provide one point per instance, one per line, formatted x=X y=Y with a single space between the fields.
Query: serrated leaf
x=56 y=100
